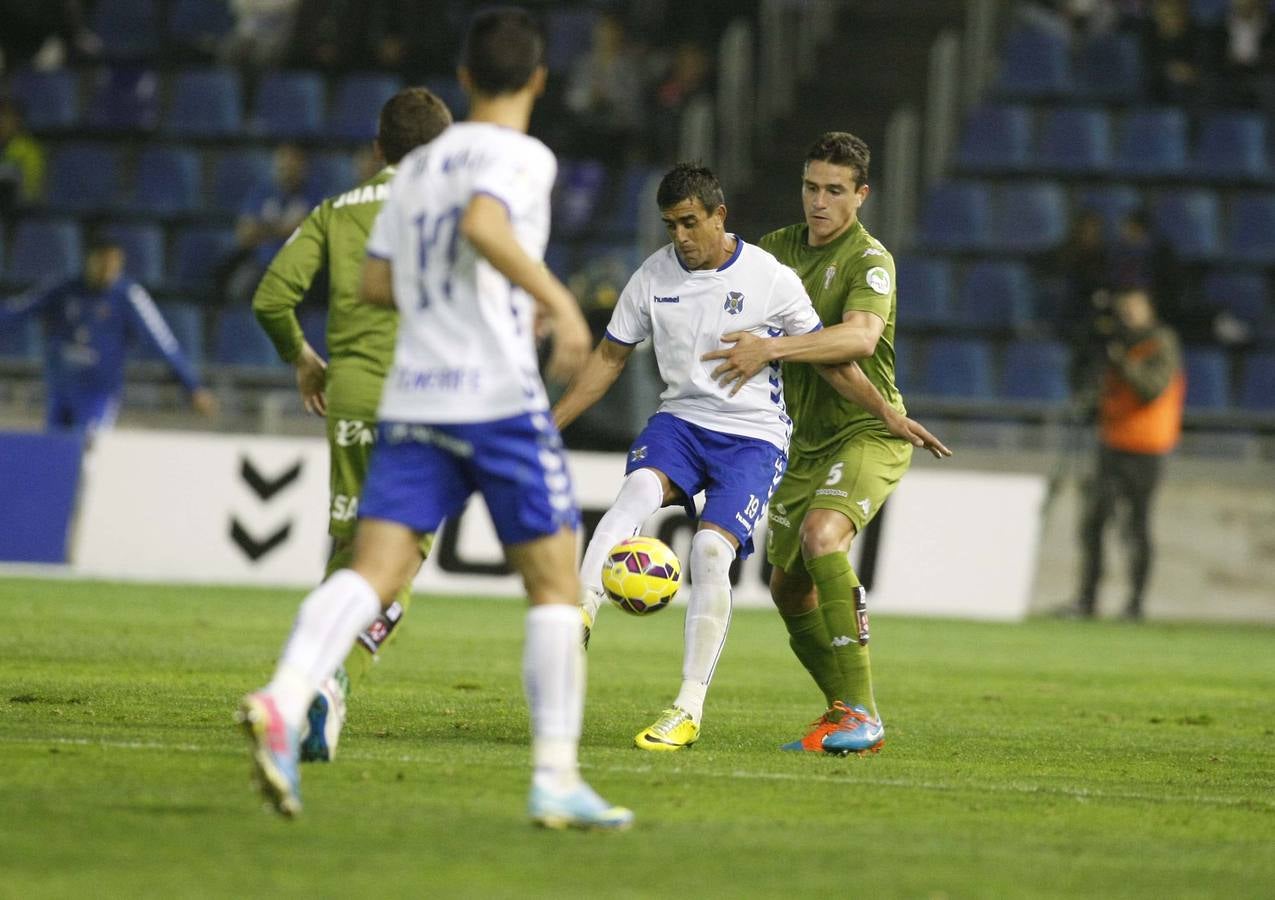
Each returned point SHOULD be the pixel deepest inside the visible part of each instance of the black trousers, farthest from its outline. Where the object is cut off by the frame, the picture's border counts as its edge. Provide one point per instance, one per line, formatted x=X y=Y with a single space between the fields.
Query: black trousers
x=1122 y=481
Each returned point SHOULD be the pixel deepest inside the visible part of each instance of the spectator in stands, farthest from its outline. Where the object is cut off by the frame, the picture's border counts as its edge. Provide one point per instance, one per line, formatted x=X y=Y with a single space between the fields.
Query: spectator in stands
x=1140 y=402
x=416 y=38
x=330 y=35
x=687 y=78
x=88 y=322
x=271 y=213
x=1173 y=51
x=262 y=33
x=1247 y=54
x=21 y=159
x=46 y=33
x=605 y=91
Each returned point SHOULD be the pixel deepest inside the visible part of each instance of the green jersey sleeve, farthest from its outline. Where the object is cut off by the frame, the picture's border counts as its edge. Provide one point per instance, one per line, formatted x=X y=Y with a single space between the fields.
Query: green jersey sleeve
x=288 y=278
x=871 y=286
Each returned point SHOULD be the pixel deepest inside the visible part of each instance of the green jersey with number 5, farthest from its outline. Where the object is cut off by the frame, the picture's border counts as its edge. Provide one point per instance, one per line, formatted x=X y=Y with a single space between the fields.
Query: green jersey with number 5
x=853 y=272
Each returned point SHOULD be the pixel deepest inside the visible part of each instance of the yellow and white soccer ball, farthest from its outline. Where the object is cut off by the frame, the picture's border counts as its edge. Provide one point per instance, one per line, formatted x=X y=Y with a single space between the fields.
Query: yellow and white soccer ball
x=641 y=575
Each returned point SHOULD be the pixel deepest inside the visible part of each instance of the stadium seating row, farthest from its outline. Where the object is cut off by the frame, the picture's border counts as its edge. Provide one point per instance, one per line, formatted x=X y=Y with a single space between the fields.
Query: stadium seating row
x=1143 y=143
x=1031 y=217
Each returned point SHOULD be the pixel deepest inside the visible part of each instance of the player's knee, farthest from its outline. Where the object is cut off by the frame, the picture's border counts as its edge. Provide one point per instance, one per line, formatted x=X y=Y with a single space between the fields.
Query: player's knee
x=712 y=548
x=821 y=535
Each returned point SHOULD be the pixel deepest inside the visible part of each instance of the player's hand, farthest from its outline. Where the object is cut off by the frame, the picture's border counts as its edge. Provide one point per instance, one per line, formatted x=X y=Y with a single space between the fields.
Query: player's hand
x=311 y=376
x=205 y=402
x=746 y=358
x=572 y=342
x=917 y=435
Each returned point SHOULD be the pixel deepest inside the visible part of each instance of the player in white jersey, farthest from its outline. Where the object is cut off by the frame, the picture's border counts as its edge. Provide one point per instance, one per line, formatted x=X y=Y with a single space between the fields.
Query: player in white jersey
x=732 y=446
x=457 y=247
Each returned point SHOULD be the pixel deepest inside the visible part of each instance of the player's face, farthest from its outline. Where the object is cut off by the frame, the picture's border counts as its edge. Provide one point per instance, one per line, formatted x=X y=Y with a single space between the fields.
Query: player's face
x=696 y=233
x=830 y=200
x=102 y=267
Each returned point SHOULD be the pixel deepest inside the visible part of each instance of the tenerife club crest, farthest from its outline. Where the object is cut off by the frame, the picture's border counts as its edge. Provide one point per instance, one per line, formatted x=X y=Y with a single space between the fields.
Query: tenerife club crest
x=734 y=303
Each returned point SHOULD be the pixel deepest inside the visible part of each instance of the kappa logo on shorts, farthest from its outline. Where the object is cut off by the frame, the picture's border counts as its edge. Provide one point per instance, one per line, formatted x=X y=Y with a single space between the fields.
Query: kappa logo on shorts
x=865 y=504
x=734 y=303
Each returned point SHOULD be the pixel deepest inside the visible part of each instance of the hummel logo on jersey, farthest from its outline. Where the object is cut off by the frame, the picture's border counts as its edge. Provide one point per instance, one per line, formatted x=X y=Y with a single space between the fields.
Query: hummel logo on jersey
x=842 y=640
x=638 y=453
x=734 y=303
x=865 y=504
x=677 y=299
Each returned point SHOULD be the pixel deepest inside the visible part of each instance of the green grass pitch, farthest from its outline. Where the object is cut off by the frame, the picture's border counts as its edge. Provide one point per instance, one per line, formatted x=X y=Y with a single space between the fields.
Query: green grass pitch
x=1046 y=759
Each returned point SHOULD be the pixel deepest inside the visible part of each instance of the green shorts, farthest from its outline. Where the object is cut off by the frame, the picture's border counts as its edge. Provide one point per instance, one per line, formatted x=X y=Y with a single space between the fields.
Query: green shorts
x=350 y=444
x=854 y=479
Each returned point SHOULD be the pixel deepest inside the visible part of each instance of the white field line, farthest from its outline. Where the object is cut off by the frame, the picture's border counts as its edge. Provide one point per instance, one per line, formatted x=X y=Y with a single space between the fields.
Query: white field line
x=848 y=780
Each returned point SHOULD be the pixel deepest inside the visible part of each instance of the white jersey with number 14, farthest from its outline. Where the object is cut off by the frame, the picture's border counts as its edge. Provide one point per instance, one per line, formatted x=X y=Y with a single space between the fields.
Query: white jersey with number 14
x=466 y=347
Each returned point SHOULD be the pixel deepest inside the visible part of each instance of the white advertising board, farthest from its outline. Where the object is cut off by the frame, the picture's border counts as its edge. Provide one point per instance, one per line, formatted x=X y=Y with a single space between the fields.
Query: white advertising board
x=253 y=510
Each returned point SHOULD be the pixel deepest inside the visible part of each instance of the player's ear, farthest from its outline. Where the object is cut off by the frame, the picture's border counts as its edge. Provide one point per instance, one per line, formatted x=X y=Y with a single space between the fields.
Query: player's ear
x=720 y=214
x=862 y=194
x=538 y=80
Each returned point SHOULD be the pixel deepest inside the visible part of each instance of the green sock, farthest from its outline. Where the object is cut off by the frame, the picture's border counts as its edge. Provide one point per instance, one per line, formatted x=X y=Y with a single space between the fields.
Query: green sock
x=808 y=637
x=360 y=659
x=836 y=581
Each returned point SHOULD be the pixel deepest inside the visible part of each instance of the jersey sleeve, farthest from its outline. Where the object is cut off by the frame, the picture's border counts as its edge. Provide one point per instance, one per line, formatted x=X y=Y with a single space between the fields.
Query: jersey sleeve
x=147 y=319
x=872 y=286
x=794 y=311
x=286 y=280
x=631 y=319
x=383 y=237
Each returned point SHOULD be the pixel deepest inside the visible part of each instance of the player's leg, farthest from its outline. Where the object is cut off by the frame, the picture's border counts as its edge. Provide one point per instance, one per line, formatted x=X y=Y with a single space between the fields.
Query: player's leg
x=1143 y=474
x=797 y=601
x=644 y=491
x=522 y=470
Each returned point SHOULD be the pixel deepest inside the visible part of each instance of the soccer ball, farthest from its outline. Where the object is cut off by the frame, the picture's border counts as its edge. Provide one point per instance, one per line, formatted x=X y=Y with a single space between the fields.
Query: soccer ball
x=641 y=575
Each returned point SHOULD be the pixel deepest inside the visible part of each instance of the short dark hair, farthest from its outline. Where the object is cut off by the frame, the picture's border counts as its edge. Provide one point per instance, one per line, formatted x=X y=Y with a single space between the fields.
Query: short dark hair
x=503 y=49
x=688 y=181
x=412 y=117
x=841 y=148
x=99 y=235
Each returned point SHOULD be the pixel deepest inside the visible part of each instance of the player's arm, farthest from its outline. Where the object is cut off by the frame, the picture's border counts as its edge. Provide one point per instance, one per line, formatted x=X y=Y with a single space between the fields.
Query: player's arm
x=147 y=319
x=29 y=302
x=485 y=224
x=283 y=286
x=849 y=381
x=600 y=371
x=854 y=337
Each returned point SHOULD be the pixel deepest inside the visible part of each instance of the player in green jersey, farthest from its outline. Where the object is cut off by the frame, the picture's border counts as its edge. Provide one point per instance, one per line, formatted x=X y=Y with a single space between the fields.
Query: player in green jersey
x=347 y=389
x=843 y=462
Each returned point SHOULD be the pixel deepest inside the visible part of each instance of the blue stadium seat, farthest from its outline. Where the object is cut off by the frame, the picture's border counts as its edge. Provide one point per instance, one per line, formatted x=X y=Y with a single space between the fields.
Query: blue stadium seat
x=958 y=367
x=1035 y=63
x=197 y=252
x=1109 y=67
x=925 y=290
x=23 y=341
x=288 y=105
x=1242 y=294
x=1112 y=202
x=1152 y=143
x=1251 y=229
x=957 y=216
x=314 y=325
x=241 y=341
x=1189 y=221
x=168 y=181
x=904 y=351
x=186 y=320
x=128 y=28
x=995 y=138
x=995 y=295
x=569 y=35
x=576 y=195
x=1035 y=370
x=331 y=173
x=1257 y=382
x=358 y=102
x=1208 y=382
x=235 y=175
x=123 y=98
x=44 y=249
x=50 y=100
x=1075 y=140
x=1232 y=145
x=143 y=246
x=205 y=103
x=84 y=177
x=1030 y=218
x=450 y=92
x=199 y=24
x=1209 y=12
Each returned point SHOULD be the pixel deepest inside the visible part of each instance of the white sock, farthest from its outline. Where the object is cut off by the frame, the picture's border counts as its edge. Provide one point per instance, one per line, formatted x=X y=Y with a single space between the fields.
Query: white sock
x=707 y=618
x=640 y=498
x=328 y=621
x=553 y=675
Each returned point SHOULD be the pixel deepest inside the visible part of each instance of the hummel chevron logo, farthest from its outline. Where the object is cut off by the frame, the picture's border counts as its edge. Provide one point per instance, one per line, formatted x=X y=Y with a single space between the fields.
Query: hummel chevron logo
x=253 y=548
x=842 y=640
x=265 y=488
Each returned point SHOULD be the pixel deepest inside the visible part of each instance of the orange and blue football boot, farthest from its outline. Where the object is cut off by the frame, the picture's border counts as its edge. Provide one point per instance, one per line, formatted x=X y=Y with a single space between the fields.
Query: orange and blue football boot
x=857 y=732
